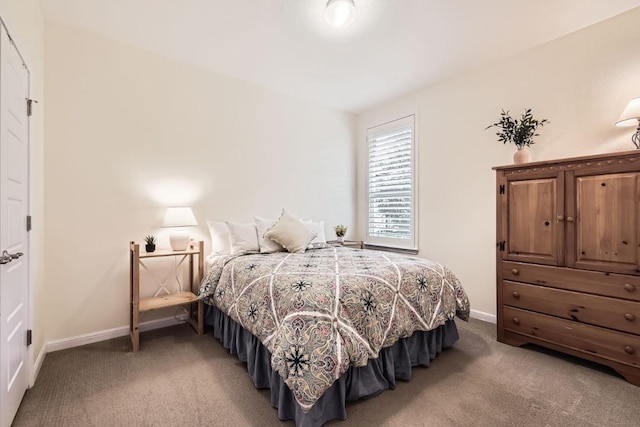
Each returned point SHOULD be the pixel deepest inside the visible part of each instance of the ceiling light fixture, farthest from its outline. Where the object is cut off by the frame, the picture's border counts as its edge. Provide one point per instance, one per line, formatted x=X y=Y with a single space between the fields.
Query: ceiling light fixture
x=340 y=13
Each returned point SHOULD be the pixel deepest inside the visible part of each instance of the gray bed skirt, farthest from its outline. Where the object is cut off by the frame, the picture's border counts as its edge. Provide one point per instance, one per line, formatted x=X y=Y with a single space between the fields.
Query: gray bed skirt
x=394 y=363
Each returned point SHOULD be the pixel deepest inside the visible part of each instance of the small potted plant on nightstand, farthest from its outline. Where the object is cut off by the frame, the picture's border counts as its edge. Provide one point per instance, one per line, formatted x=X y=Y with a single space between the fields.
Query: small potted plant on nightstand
x=340 y=230
x=150 y=243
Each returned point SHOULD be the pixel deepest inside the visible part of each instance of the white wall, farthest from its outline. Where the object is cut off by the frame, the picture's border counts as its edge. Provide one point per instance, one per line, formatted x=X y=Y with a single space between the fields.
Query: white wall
x=25 y=23
x=581 y=83
x=130 y=132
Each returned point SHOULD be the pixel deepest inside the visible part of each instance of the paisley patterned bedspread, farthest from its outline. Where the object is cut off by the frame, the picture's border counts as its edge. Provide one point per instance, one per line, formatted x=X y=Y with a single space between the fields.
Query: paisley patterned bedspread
x=327 y=309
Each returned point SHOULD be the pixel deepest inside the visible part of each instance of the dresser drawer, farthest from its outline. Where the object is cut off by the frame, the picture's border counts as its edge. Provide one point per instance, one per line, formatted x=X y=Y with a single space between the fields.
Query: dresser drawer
x=595 y=310
x=618 y=346
x=606 y=284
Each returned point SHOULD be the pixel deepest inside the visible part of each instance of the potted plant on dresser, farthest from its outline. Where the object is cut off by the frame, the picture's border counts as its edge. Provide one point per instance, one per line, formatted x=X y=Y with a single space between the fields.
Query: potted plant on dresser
x=520 y=132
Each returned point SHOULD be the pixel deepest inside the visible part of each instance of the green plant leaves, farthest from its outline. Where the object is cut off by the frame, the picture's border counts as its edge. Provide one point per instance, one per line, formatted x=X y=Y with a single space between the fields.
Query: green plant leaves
x=520 y=132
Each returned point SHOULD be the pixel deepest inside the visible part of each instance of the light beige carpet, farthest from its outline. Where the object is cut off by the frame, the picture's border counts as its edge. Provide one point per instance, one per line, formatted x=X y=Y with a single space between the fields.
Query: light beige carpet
x=180 y=379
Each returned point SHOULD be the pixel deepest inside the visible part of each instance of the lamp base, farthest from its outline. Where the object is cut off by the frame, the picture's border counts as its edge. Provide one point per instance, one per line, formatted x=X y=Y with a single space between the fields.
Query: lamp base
x=179 y=240
x=636 y=137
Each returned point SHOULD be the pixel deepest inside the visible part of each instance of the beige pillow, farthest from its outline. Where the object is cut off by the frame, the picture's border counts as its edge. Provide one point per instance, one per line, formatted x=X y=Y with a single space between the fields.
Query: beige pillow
x=266 y=245
x=291 y=233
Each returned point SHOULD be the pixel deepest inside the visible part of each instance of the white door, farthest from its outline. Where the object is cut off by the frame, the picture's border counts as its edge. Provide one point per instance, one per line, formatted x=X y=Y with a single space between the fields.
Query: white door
x=14 y=198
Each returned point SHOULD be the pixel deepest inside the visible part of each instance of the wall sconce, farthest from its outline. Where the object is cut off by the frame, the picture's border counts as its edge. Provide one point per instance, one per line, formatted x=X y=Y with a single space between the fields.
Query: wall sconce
x=179 y=217
x=631 y=117
x=340 y=13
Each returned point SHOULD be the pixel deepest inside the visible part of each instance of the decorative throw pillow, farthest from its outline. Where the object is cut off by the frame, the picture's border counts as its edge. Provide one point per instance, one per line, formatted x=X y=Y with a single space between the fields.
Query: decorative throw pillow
x=320 y=241
x=291 y=233
x=243 y=237
x=219 y=238
x=266 y=244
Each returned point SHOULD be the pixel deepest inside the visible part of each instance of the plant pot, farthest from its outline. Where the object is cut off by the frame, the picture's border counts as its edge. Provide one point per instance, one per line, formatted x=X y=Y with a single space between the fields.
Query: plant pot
x=521 y=156
x=150 y=248
x=340 y=239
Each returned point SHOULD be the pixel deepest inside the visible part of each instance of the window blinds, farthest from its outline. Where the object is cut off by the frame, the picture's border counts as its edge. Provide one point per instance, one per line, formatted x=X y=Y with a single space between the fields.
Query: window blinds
x=391 y=213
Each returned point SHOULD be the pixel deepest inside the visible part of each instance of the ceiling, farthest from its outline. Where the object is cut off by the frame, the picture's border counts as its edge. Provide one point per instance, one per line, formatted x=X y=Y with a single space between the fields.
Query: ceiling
x=394 y=47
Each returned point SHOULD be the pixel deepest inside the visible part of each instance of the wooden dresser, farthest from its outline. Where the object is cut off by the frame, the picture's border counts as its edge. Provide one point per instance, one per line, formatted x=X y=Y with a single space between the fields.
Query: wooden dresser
x=568 y=257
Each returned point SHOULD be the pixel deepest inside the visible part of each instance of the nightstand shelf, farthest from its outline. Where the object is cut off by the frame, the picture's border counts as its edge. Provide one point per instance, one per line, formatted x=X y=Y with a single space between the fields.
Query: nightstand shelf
x=358 y=244
x=187 y=299
x=154 y=303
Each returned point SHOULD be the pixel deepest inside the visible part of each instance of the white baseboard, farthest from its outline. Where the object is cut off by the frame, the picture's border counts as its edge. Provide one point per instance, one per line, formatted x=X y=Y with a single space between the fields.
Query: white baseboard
x=481 y=315
x=37 y=365
x=108 y=334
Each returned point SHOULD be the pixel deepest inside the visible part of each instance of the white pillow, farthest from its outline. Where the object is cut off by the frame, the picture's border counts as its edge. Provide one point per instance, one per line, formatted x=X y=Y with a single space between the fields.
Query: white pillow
x=219 y=238
x=291 y=233
x=320 y=241
x=266 y=244
x=243 y=237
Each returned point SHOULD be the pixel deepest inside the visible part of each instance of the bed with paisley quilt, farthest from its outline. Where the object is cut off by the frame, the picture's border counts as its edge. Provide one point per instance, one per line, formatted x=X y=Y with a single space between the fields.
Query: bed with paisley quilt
x=331 y=325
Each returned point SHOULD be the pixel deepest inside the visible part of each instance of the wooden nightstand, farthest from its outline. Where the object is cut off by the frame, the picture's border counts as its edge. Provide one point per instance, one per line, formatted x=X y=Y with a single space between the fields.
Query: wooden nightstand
x=347 y=243
x=186 y=298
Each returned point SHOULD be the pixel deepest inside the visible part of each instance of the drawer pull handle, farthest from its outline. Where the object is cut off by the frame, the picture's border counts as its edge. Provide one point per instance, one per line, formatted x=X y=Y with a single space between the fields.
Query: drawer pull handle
x=629 y=350
x=516 y=294
x=516 y=321
x=569 y=219
x=630 y=317
x=560 y=218
x=629 y=287
x=515 y=272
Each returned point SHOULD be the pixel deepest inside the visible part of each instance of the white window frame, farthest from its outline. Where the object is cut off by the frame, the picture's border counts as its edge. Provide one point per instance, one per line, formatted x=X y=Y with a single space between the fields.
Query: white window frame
x=389 y=242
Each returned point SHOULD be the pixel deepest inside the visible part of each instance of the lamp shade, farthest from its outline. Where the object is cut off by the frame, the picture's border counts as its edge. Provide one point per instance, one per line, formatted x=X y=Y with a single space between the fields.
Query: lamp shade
x=340 y=13
x=631 y=114
x=179 y=216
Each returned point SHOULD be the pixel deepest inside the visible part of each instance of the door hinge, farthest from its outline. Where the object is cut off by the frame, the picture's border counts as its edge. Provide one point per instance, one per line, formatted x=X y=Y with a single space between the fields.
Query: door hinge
x=30 y=106
x=501 y=245
x=501 y=188
x=28 y=222
x=29 y=337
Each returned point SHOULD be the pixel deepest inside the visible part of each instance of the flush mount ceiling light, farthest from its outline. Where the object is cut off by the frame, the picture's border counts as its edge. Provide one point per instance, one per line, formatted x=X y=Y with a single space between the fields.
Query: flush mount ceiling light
x=340 y=13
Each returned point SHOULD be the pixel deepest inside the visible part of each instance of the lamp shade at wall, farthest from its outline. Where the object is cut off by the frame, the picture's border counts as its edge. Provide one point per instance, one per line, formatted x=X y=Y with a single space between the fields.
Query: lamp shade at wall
x=631 y=117
x=179 y=216
x=631 y=114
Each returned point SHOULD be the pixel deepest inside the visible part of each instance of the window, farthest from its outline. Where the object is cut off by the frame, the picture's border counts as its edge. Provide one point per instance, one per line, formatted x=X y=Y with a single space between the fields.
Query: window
x=392 y=185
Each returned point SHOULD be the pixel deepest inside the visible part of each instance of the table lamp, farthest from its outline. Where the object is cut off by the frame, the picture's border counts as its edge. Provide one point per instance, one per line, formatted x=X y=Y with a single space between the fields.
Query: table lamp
x=177 y=217
x=631 y=117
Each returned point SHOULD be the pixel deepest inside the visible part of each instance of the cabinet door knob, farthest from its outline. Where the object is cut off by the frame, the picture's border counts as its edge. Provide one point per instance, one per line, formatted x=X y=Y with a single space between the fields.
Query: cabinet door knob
x=629 y=287
x=569 y=219
x=630 y=317
x=516 y=321
x=515 y=272
x=629 y=350
x=516 y=294
x=560 y=218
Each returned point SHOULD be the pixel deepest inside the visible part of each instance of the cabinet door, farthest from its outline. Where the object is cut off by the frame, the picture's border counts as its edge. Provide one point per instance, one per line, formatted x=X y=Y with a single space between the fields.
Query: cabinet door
x=603 y=229
x=535 y=228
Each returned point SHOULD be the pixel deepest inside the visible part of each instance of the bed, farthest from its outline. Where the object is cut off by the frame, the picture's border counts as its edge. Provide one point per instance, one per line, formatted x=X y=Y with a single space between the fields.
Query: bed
x=331 y=325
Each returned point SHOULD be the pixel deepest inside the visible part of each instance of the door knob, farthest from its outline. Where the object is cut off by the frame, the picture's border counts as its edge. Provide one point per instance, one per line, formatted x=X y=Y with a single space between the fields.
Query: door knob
x=5 y=258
